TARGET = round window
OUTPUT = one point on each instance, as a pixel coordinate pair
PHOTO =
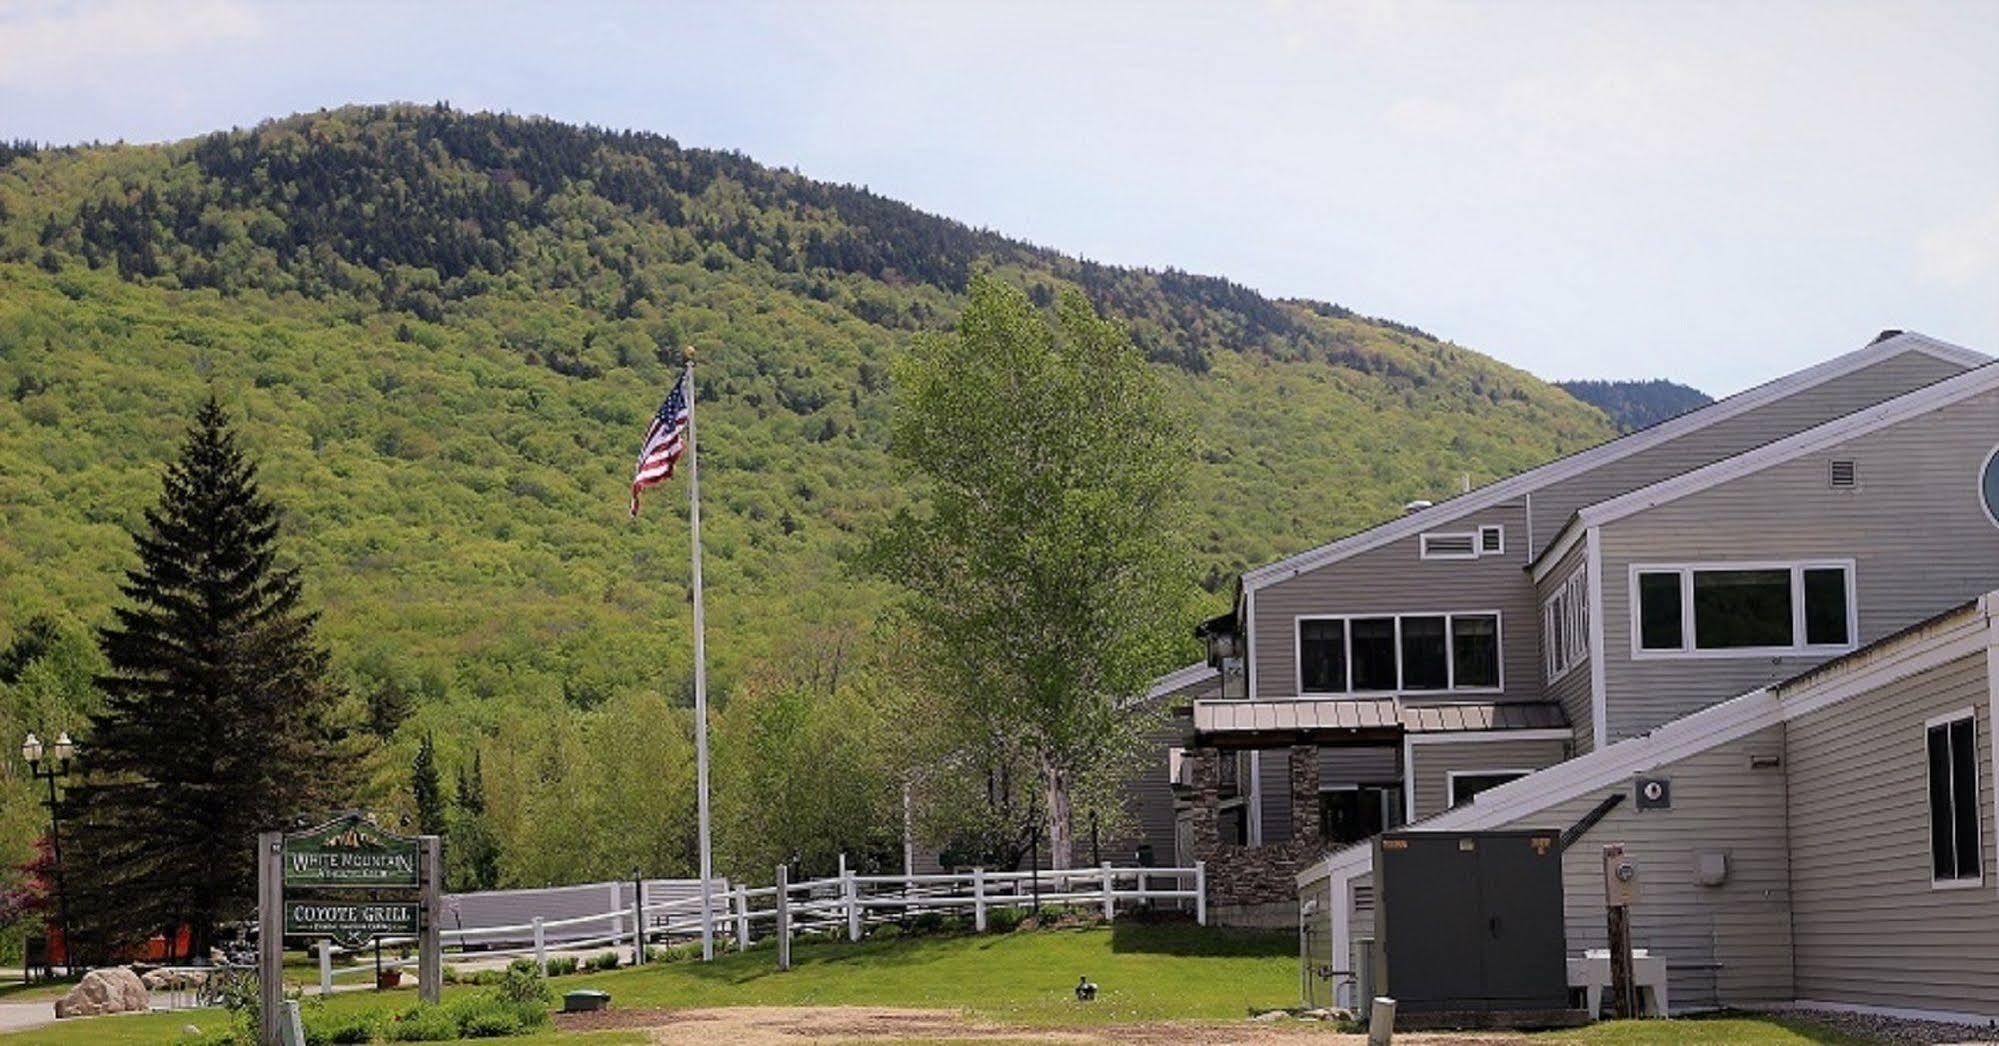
(1988, 486)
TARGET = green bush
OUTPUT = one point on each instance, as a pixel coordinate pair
(522, 984)
(1004, 920)
(600, 963)
(562, 967)
(927, 922)
(422, 1023)
(885, 932)
(340, 1028)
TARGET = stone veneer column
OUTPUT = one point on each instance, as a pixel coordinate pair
(1207, 802)
(1305, 825)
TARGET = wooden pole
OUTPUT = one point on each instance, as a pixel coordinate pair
(1620, 963)
(700, 681)
(270, 938)
(430, 942)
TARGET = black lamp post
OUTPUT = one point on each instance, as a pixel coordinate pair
(62, 752)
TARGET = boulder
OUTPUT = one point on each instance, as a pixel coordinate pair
(163, 980)
(113, 990)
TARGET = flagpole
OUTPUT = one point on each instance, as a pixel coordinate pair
(700, 678)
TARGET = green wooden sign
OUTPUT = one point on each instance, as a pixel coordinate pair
(350, 851)
(351, 923)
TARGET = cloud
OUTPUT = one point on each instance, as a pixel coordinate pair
(1963, 252)
(68, 45)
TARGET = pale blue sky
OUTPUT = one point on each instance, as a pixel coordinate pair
(1717, 194)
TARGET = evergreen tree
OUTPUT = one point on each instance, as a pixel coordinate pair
(427, 789)
(472, 861)
(218, 719)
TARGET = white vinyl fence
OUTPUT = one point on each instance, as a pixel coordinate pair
(504, 924)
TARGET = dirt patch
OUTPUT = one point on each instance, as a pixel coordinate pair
(804, 1025)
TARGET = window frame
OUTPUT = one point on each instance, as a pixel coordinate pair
(1570, 599)
(1978, 485)
(1498, 531)
(1688, 650)
(1394, 807)
(1451, 782)
(1947, 720)
(1450, 660)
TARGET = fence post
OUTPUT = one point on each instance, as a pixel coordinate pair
(326, 967)
(979, 899)
(638, 924)
(742, 918)
(853, 891)
(540, 946)
(1110, 902)
(1201, 892)
(783, 918)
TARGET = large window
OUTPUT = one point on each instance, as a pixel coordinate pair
(1731, 609)
(1956, 851)
(1348, 815)
(1399, 653)
(1565, 626)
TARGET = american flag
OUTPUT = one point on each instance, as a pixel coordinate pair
(665, 442)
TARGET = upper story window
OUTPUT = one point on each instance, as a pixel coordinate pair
(1392, 653)
(1565, 626)
(1956, 849)
(1742, 609)
(1988, 486)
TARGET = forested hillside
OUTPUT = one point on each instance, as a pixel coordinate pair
(1633, 405)
(442, 334)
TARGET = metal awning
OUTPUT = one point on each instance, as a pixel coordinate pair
(1246, 724)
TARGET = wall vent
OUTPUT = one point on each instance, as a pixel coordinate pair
(1843, 475)
(1492, 540)
(1450, 546)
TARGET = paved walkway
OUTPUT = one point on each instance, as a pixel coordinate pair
(20, 1016)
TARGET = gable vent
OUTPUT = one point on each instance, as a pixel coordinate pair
(1843, 475)
(1450, 546)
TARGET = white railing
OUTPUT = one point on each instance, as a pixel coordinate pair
(839, 905)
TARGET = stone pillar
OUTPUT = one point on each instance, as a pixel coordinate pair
(1207, 802)
(1305, 825)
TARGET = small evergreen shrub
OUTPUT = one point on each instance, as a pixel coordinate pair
(562, 966)
(1004, 920)
(522, 984)
(602, 962)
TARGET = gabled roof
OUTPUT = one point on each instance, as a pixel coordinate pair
(1929, 398)
(1504, 490)
(1180, 679)
(1955, 633)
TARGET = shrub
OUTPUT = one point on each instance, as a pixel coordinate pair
(602, 962)
(927, 922)
(450, 974)
(521, 983)
(341, 1028)
(1004, 920)
(562, 967)
(422, 1023)
(885, 932)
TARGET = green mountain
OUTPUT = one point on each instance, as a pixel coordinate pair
(1634, 405)
(444, 332)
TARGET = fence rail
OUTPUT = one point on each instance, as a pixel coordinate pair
(845, 904)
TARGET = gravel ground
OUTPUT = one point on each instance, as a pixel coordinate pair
(1894, 1030)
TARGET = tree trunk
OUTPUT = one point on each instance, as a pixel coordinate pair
(1059, 849)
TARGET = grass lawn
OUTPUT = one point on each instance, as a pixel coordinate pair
(1728, 1029)
(1156, 972)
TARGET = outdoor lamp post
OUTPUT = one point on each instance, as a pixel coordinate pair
(62, 752)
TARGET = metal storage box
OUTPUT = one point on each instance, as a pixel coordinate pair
(1470, 923)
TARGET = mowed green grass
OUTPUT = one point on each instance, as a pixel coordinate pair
(1732, 1029)
(1143, 972)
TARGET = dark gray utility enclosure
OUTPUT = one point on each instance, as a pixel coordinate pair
(1470, 922)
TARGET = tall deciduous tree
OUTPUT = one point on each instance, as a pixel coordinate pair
(219, 720)
(1048, 575)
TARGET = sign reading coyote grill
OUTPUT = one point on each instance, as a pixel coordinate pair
(354, 884)
(351, 925)
(350, 851)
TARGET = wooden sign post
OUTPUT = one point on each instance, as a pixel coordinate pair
(345, 867)
(1620, 891)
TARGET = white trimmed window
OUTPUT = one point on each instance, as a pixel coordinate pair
(1565, 626)
(1467, 783)
(1392, 653)
(1742, 609)
(1956, 849)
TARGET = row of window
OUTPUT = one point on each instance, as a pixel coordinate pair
(1565, 626)
(1398, 652)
